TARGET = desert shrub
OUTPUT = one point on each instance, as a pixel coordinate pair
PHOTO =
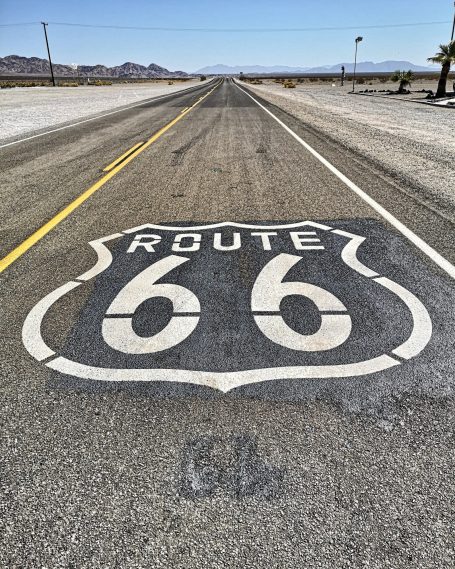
(100, 83)
(313, 79)
(170, 82)
(289, 84)
(203, 77)
(68, 84)
(360, 81)
(404, 78)
(12, 84)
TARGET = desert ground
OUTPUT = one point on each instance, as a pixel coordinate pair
(25, 108)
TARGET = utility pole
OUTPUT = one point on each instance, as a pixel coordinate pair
(48, 52)
(357, 41)
(342, 75)
(453, 26)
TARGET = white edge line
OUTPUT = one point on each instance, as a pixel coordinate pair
(143, 102)
(443, 263)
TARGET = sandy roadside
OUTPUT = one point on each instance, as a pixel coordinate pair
(412, 141)
(24, 110)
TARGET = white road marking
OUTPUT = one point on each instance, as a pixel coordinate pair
(31, 330)
(349, 253)
(143, 102)
(225, 381)
(270, 289)
(443, 263)
(119, 332)
(225, 224)
(422, 326)
(104, 257)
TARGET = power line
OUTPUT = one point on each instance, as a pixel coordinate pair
(19, 24)
(248, 30)
(236, 30)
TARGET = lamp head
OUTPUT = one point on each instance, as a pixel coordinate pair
(358, 39)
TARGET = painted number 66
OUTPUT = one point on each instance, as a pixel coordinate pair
(268, 292)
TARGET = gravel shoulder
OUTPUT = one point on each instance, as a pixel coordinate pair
(26, 110)
(412, 142)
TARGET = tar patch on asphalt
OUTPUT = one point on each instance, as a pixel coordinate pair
(233, 466)
(285, 311)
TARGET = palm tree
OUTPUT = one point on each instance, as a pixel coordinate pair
(404, 77)
(445, 57)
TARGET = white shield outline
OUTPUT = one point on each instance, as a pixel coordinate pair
(225, 381)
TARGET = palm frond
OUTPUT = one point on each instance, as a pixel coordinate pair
(446, 54)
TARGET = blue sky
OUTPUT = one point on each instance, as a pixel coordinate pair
(191, 50)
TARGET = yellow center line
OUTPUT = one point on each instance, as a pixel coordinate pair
(120, 158)
(47, 227)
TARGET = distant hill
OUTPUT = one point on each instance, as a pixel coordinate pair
(221, 69)
(13, 64)
(370, 66)
(362, 66)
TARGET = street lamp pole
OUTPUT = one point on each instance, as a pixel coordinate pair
(453, 26)
(357, 41)
(49, 53)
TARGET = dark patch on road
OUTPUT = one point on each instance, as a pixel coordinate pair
(233, 465)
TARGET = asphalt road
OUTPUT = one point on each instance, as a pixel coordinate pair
(211, 397)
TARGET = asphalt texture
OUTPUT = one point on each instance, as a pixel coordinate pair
(294, 472)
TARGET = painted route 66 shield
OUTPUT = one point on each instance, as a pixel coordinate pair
(230, 304)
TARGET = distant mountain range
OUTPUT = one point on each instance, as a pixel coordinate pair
(15, 64)
(221, 69)
(362, 66)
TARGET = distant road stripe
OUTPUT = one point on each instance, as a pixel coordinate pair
(441, 261)
(143, 102)
(47, 227)
(122, 157)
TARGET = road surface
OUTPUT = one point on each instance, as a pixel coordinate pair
(252, 363)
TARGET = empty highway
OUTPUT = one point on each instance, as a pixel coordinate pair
(227, 342)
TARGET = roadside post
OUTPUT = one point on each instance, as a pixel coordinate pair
(48, 52)
(342, 75)
(357, 41)
(453, 25)
(75, 67)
